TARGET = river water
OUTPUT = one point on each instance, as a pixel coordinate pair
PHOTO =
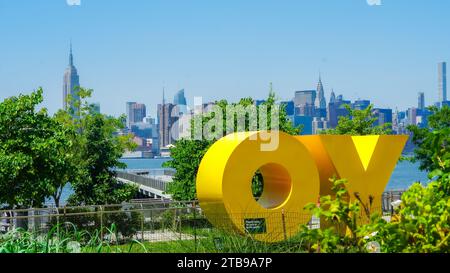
(404, 175)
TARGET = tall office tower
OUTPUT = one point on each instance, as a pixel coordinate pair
(332, 97)
(288, 107)
(421, 101)
(71, 82)
(337, 109)
(136, 112)
(361, 104)
(412, 116)
(304, 102)
(180, 101)
(320, 102)
(165, 121)
(166, 118)
(129, 112)
(442, 78)
(383, 116)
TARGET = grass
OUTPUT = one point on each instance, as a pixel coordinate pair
(68, 239)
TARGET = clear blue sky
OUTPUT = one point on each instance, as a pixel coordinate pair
(127, 50)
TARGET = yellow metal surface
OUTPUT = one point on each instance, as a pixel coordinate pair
(294, 175)
(367, 162)
(291, 180)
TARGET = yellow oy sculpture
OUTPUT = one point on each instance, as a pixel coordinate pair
(294, 174)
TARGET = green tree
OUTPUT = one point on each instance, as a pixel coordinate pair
(342, 222)
(188, 153)
(99, 149)
(360, 123)
(35, 158)
(433, 143)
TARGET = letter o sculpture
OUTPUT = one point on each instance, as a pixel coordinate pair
(224, 186)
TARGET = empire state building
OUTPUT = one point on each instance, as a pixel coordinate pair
(71, 82)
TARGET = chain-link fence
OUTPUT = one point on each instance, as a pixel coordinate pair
(166, 226)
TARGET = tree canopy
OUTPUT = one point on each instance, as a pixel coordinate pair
(360, 123)
(35, 152)
(188, 153)
(41, 154)
(433, 142)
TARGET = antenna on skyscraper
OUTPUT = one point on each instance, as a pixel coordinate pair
(164, 97)
(71, 56)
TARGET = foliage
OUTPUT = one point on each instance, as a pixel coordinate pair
(36, 161)
(99, 149)
(124, 222)
(433, 143)
(186, 157)
(341, 222)
(188, 153)
(422, 224)
(360, 123)
(57, 240)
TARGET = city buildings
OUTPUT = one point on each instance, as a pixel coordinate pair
(319, 124)
(337, 109)
(320, 102)
(305, 109)
(136, 112)
(70, 85)
(384, 116)
(180, 101)
(421, 101)
(361, 104)
(304, 102)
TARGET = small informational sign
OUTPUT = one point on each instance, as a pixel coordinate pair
(255, 226)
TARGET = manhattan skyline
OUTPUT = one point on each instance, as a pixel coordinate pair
(226, 49)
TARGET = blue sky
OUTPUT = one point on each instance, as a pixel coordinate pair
(129, 50)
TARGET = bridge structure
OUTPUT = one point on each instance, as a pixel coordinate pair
(151, 184)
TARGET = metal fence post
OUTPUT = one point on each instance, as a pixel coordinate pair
(195, 227)
(178, 222)
(142, 223)
(101, 223)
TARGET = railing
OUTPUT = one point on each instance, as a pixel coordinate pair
(390, 196)
(145, 181)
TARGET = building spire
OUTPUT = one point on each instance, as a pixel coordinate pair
(164, 97)
(71, 55)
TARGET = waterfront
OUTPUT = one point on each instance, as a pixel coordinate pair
(404, 175)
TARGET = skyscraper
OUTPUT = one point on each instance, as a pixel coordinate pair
(166, 119)
(337, 109)
(304, 102)
(361, 104)
(442, 81)
(136, 112)
(412, 116)
(332, 97)
(421, 101)
(179, 100)
(71, 82)
(384, 116)
(320, 102)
